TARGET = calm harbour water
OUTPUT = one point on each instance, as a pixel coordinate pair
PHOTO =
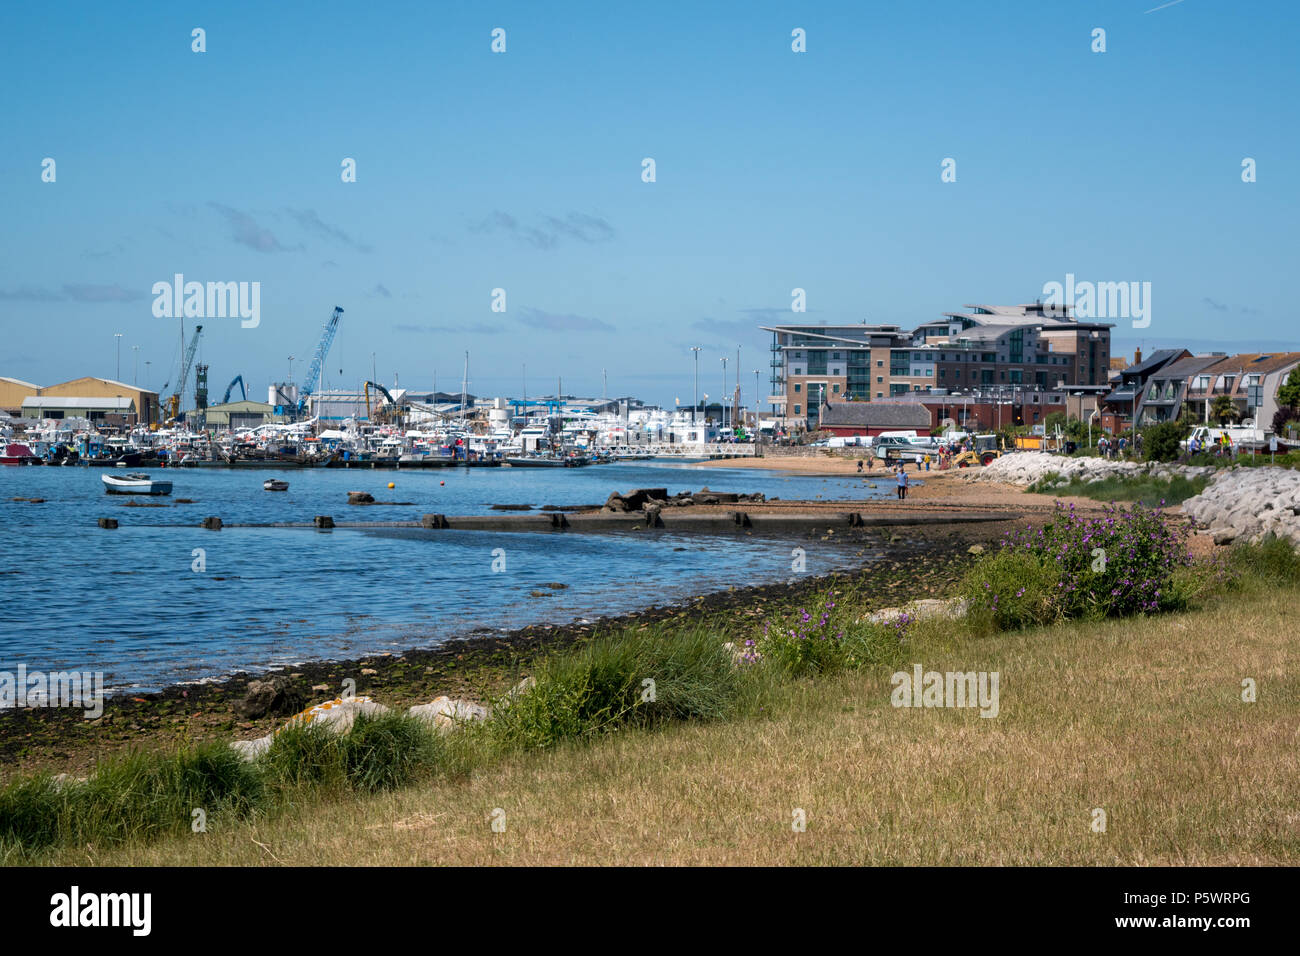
(128, 602)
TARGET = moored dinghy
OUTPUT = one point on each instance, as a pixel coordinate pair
(275, 484)
(135, 484)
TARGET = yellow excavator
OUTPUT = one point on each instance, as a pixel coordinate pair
(985, 451)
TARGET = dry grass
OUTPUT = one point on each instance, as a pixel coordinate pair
(1143, 718)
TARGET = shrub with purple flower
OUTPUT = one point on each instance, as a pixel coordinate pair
(828, 636)
(1109, 565)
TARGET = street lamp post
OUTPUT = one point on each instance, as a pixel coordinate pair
(757, 431)
(735, 408)
(722, 398)
(118, 376)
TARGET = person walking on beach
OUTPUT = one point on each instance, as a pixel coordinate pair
(859, 466)
(902, 483)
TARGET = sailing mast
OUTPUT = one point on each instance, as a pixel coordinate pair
(464, 384)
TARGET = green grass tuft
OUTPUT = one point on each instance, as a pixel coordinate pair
(1145, 489)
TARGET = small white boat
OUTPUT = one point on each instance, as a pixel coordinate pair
(135, 484)
(275, 484)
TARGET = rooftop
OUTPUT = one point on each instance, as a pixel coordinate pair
(875, 415)
(68, 401)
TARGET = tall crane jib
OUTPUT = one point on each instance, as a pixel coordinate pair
(318, 360)
(174, 403)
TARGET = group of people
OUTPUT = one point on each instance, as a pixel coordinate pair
(1221, 445)
(1119, 447)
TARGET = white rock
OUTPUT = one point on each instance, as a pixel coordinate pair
(445, 714)
(252, 749)
(927, 609)
(337, 715)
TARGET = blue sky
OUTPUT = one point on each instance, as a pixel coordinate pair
(522, 171)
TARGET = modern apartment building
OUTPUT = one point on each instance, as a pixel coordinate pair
(1026, 347)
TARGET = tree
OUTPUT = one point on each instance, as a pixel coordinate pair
(1160, 442)
(1288, 395)
(1224, 410)
(1076, 429)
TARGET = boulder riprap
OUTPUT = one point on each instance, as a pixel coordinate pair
(1248, 504)
(1028, 467)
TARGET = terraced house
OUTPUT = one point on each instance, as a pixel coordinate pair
(1026, 347)
(1234, 375)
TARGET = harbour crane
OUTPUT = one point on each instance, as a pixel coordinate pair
(243, 395)
(318, 359)
(174, 402)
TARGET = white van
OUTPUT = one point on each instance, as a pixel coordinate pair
(909, 436)
(1209, 435)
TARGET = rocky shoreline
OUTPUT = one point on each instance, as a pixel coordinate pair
(915, 563)
(1026, 468)
(1249, 503)
(1245, 502)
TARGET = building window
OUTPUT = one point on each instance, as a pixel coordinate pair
(798, 409)
(835, 388)
(798, 387)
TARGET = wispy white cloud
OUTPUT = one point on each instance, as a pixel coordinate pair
(555, 322)
(246, 231)
(308, 220)
(548, 231)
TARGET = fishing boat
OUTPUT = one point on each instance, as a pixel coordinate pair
(275, 484)
(135, 483)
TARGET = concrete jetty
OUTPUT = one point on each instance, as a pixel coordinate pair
(713, 522)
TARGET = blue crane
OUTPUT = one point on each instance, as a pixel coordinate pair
(243, 395)
(322, 349)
